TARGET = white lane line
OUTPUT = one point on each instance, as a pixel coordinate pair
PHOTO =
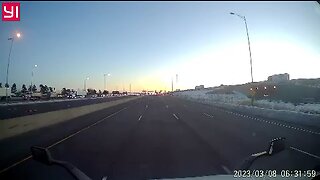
(15, 164)
(73, 134)
(206, 114)
(278, 124)
(146, 106)
(304, 152)
(175, 116)
(140, 118)
(167, 106)
(226, 169)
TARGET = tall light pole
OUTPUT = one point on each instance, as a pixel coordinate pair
(35, 66)
(10, 39)
(171, 84)
(85, 83)
(105, 83)
(176, 81)
(245, 22)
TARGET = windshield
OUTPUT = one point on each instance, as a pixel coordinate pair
(160, 90)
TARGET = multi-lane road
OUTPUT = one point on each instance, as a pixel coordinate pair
(159, 137)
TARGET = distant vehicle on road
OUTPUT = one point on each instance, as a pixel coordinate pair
(60, 95)
(53, 95)
(115, 93)
(36, 96)
(72, 96)
(26, 96)
(3, 93)
(81, 94)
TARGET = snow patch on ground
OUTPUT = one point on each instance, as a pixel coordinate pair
(240, 99)
(305, 114)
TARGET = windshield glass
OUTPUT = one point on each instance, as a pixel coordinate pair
(160, 90)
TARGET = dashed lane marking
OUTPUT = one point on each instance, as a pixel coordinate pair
(175, 116)
(226, 169)
(304, 152)
(275, 123)
(208, 115)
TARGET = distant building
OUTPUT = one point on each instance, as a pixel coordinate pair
(200, 87)
(279, 78)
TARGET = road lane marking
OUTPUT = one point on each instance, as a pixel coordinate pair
(146, 106)
(167, 106)
(175, 116)
(208, 115)
(140, 118)
(226, 169)
(73, 134)
(62, 140)
(304, 152)
(15, 164)
(276, 123)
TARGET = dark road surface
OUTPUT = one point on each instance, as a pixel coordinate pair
(17, 110)
(158, 137)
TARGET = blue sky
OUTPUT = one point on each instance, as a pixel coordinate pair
(147, 43)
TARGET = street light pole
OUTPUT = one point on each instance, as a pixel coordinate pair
(32, 77)
(245, 22)
(85, 83)
(105, 83)
(7, 77)
(171, 84)
(12, 39)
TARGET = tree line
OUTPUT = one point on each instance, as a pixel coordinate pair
(44, 89)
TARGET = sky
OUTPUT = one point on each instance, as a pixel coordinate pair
(146, 44)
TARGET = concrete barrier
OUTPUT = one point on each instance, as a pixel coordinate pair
(14, 126)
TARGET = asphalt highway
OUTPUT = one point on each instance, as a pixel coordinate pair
(159, 137)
